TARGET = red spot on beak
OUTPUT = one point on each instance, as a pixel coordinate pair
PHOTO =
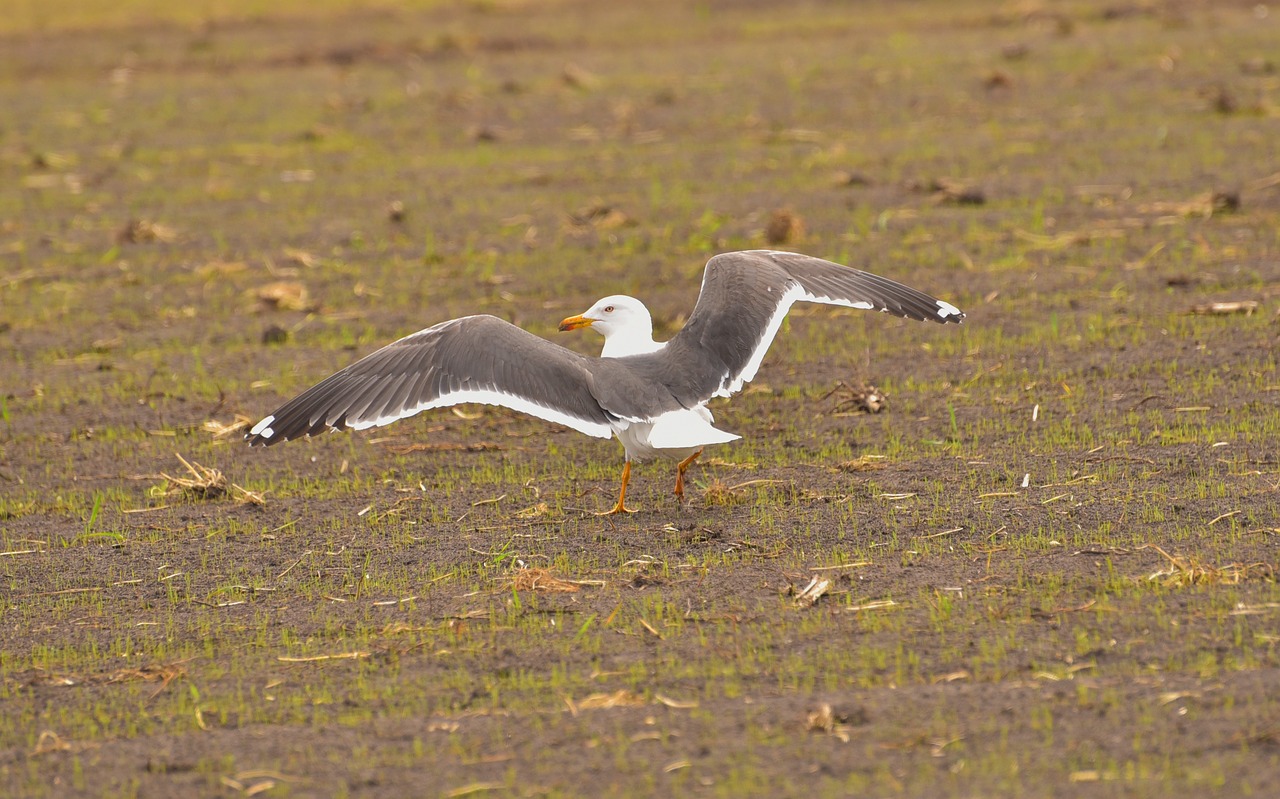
(575, 322)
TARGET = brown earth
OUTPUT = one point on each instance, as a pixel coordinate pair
(1055, 575)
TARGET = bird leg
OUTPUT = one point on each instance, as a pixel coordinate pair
(680, 470)
(622, 494)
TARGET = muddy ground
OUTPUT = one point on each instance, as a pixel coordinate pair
(1047, 566)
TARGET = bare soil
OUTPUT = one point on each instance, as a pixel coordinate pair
(1051, 557)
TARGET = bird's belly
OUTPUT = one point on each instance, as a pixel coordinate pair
(635, 440)
(673, 436)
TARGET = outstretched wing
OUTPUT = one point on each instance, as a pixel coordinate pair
(479, 359)
(746, 295)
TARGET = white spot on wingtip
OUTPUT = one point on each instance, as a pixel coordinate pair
(946, 309)
(263, 428)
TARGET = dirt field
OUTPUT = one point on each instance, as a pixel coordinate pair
(1047, 567)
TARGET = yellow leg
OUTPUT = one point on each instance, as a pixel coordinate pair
(680, 470)
(621, 507)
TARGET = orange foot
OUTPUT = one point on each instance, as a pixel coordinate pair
(621, 507)
(616, 509)
(680, 470)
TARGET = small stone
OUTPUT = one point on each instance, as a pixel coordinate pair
(275, 334)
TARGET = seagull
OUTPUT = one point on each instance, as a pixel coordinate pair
(651, 395)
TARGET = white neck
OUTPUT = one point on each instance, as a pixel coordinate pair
(631, 341)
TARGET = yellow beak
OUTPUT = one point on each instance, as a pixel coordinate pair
(575, 322)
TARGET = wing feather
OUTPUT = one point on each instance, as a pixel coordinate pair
(745, 297)
(479, 359)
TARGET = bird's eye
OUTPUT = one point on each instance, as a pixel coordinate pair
(608, 309)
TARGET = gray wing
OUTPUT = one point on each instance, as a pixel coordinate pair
(478, 359)
(746, 295)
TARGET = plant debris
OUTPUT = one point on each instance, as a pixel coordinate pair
(808, 596)
(619, 698)
(600, 216)
(959, 193)
(1246, 307)
(224, 429)
(864, 463)
(576, 77)
(862, 398)
(285, 295)
(203, 482)
(827, 720)
(784, 227)
(1188, 570)
(142, 231)
(538, 579)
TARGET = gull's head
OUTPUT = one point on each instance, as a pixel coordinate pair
(614, 315)
(623, 321)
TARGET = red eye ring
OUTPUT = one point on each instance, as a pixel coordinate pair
(608, 309)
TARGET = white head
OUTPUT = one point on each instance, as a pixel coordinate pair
(624, 322)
